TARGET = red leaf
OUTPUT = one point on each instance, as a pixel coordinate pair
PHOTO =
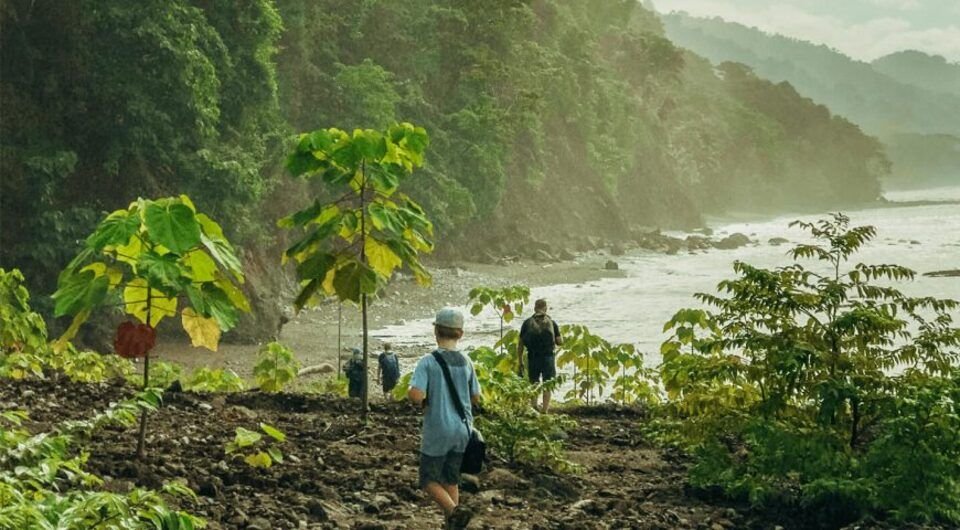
(134, 340)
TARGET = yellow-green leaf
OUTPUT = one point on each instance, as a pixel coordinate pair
(260, 459)
(234, 294)
(71, 332)
(380, 258)
(135, 302)
(204, 332)
(201, 265)
(129, 253)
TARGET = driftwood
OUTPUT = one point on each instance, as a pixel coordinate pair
(322, 368)
(954, 273)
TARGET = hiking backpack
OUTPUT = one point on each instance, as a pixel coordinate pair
(540, 334)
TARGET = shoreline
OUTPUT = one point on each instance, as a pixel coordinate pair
(312, 334)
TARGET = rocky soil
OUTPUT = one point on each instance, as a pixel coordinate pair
(338, 473)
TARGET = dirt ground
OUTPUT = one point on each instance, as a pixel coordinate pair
(339, 474)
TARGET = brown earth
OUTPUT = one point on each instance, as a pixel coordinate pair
(338, 473)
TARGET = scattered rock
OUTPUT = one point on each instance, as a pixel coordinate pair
(732, 241)
(617, 250)
(543, 256)
(777, 241)
(611, 265)
(503, 478)
(469, 483)
(584, 505)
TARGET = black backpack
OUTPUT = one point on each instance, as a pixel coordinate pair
(539, 337)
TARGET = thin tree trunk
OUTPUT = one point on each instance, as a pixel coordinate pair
(141, 437)
(339, 335)
(365, 395)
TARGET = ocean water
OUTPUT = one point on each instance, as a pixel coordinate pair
(634, 308)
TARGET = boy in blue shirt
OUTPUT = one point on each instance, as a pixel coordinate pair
(445, 435)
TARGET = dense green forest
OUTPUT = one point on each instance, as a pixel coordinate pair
(907, 99)
(549, 121)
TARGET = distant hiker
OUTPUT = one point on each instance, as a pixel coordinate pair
(356, 375)
(388, 369)
(539, 334)
(445, 434)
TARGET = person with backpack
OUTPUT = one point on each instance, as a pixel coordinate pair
(388, 370)
(445, 385)
(539, 335)
(356, 376)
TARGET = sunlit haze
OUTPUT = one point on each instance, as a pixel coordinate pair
(862, 29)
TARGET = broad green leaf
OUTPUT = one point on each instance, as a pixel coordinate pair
(162, 271)
(275, 454)
(316, 267)
(203, 332)
(189, 203)
(273, 432)
(212, 301)
(172, 225)
(135, 302)
(352, 279)
(222, 252)
(234, 294)
(246, 437)
(380, 258)
(384, 218)
(210, 227)
(83, 290)
(306, 293)
(116, 229)
(369, 145)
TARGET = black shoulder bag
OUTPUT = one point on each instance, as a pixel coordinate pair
(476, 449)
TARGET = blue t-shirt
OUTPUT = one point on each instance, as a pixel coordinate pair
(443, 430)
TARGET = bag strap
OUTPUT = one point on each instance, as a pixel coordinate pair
(453, 389)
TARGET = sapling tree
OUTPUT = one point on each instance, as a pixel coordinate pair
(828, 380)
(154, 259)
(351, 246)
(506, 302)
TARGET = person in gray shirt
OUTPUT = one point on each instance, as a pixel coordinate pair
(445, 434)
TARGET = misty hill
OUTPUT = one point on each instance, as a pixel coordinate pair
(929, 72)
(907, 99)
(881, 104)
(551, 123)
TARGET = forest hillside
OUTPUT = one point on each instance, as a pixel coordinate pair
(549, 121)
(909, 99)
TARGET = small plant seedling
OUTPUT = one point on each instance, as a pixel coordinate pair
(276, 367)
(255, 450)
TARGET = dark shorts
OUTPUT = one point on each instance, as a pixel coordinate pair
(444, 470)
(389, 384)
(541, 368)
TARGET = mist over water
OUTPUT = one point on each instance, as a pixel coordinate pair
(634, 308)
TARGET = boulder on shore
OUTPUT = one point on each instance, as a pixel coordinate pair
(612, 265)
(732, 241)
(777, 241)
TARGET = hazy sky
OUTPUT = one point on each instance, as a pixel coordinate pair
(862, 29)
